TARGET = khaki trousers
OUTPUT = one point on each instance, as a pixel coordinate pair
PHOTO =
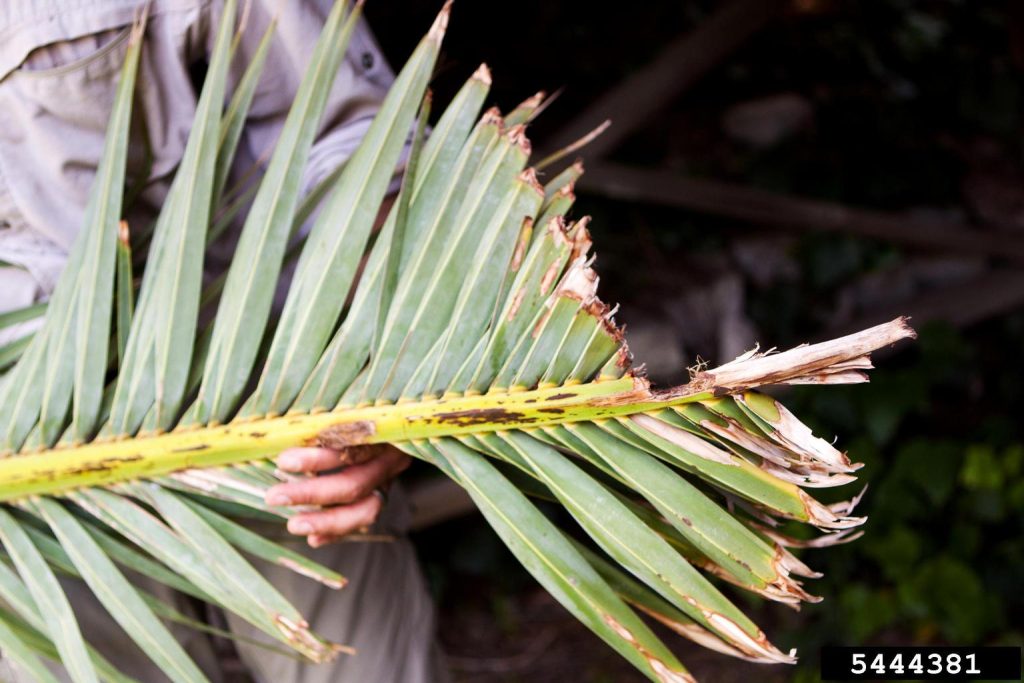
(385, 612)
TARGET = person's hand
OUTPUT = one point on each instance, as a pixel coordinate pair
(352, 497)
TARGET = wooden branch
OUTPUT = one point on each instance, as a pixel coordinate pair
(963, 304)
(791, 213)
(635, 100)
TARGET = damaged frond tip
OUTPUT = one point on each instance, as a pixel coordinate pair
(529, 176)
(482, 74)
(139, 25)
(440, 25)
(517, 136)
(904, 323)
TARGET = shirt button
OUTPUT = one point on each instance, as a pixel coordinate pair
(367, 60)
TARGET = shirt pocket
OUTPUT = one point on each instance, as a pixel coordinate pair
(73, 54)
(74, 79)
(54, 111)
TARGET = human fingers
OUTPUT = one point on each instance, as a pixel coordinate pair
(333, 523)
(348, 486)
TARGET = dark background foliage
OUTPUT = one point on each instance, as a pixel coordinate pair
(910, 107)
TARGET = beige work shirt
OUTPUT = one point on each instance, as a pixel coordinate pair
(59, 65)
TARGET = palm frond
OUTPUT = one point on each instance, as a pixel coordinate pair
(473, 339)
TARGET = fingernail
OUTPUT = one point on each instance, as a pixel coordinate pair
(300, 527)
(289, 462)
(278, 499)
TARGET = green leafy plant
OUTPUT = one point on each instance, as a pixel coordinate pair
(137, 434)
